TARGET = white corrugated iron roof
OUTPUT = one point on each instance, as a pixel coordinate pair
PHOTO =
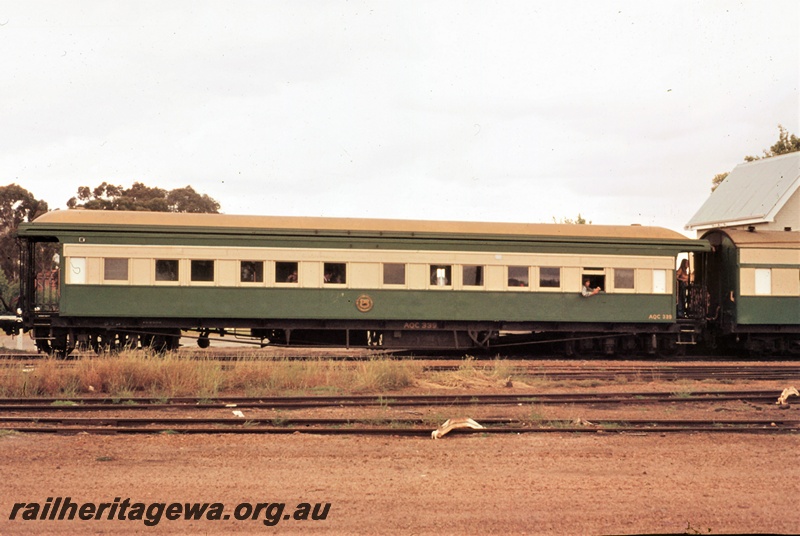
(753, 193)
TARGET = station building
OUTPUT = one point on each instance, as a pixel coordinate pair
(763, 195)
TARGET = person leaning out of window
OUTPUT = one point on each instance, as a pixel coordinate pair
(587, 289)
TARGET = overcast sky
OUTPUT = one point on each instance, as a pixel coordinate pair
(517, 111)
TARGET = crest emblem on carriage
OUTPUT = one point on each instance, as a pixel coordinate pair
(364, 303)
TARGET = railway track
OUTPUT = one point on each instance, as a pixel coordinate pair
(376, 415)
(302, 402)
(396, 427)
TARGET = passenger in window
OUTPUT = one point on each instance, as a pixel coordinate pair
(683, 286)
(587, 290)
(333, 277)
(292, 278)
(248, 275)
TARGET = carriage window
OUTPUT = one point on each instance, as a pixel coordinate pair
(549, 277)
(286, 272)
(659, 281)
(763, 281)
(335, 273)
(115, 269)
(166, 270)
(473, 276)
(518, 276)
(595, 280)
(252, 272)
(394, 274)
(441, 275)
(623, 278)
(77, 270)
(202, 270)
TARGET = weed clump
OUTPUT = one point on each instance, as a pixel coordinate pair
(492, 374)
(138, 373)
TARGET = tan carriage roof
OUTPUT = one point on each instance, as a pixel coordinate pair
(78, 217)
(761, 239)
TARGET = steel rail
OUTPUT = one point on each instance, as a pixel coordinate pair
(325, 421)
(354, 427)
(108, 403)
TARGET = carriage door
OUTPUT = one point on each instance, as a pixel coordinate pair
(698, 299)
(42, 280)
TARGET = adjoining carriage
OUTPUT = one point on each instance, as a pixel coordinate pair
(138, 278)
(753, 286)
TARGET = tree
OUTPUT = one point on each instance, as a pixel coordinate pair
(8, 291)
(17, 205)
(141, 197)
(579, 221)
(187, 200)
(717, 180)
(787, 143)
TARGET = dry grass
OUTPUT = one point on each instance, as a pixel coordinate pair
(471, 374)
(145, 374)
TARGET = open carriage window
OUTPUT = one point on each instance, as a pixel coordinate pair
(285, 272)
(335, 273)
(472, 276)
(441, 275)
(251, 272)
(202, 270)
(595, 276)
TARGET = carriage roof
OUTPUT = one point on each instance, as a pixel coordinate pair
(164, 221)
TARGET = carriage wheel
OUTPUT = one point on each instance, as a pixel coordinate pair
(202, 340)
(668, 346)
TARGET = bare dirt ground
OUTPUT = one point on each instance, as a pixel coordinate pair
(467, 484)
(545, 483)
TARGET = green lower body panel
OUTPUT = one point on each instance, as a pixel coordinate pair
(353, 304)
(768, 310)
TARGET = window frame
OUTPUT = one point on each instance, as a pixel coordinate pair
(161, 281)
(663, 286)
(280, 270)
(509, 278)
(199, 268)
(258, 272)
(762, 282)
(433, 270)
(480, 273)
(127, 262)
(338, 270)
(384, 273)
(628, 272)
(549, 288)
